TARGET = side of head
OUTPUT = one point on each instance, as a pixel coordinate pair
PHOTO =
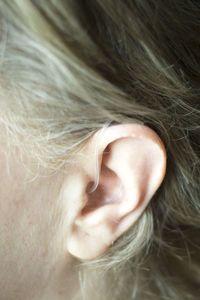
(102, 97)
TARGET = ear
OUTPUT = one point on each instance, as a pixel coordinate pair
(131, 166)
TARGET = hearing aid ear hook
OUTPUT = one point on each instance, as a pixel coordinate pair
(94, 187)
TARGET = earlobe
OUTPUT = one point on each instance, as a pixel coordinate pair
(131, 170)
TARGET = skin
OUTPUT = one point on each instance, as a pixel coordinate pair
(33, 254)
(43, 229)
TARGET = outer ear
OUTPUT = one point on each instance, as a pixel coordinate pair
(132, 165)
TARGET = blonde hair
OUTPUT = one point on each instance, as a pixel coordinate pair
(69, 68)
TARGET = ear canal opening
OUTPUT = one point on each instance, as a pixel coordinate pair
(90, 187)
(109, 191)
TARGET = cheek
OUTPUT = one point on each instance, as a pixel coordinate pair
(25, 256)
(28, 242)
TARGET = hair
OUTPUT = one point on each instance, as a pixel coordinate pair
(71, 67)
